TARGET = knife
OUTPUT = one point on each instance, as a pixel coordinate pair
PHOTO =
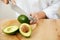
(20, 11)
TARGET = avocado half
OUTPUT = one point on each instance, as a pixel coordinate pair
(10, 29)
(25, 29)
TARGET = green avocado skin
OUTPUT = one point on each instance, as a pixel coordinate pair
(26, 36)
(13, 33)
(23, 19)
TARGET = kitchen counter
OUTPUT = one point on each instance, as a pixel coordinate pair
(46, 29)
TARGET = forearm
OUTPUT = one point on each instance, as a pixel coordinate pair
(52, 10)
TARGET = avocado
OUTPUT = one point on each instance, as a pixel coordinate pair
(23, 19)
(25, 29)
(11, 29)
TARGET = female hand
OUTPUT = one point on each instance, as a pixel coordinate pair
(7, 1)
(37, 16)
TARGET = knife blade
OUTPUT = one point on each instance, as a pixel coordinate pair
(21, 11)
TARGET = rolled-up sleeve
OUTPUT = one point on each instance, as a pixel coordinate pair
(52, 10)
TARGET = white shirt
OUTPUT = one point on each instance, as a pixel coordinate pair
(50, 7)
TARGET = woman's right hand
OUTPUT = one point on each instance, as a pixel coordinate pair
(37, 16)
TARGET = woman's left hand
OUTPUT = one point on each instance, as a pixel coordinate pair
(7, 1)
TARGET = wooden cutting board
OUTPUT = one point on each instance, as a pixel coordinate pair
(46, 29)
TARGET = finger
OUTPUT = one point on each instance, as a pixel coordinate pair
(36, 17)
(6, 1)
(13, 2)
(33, 22)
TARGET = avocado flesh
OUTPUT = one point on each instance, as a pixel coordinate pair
(26, 34)
(11, 29)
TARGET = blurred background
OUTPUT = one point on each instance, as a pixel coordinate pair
(6, 11)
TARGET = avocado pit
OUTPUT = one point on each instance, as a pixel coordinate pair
(25, 29)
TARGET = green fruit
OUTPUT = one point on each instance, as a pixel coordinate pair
(25, 30)
(11, 29)
(23, 19)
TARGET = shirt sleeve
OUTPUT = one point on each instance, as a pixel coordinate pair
(52, 10)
